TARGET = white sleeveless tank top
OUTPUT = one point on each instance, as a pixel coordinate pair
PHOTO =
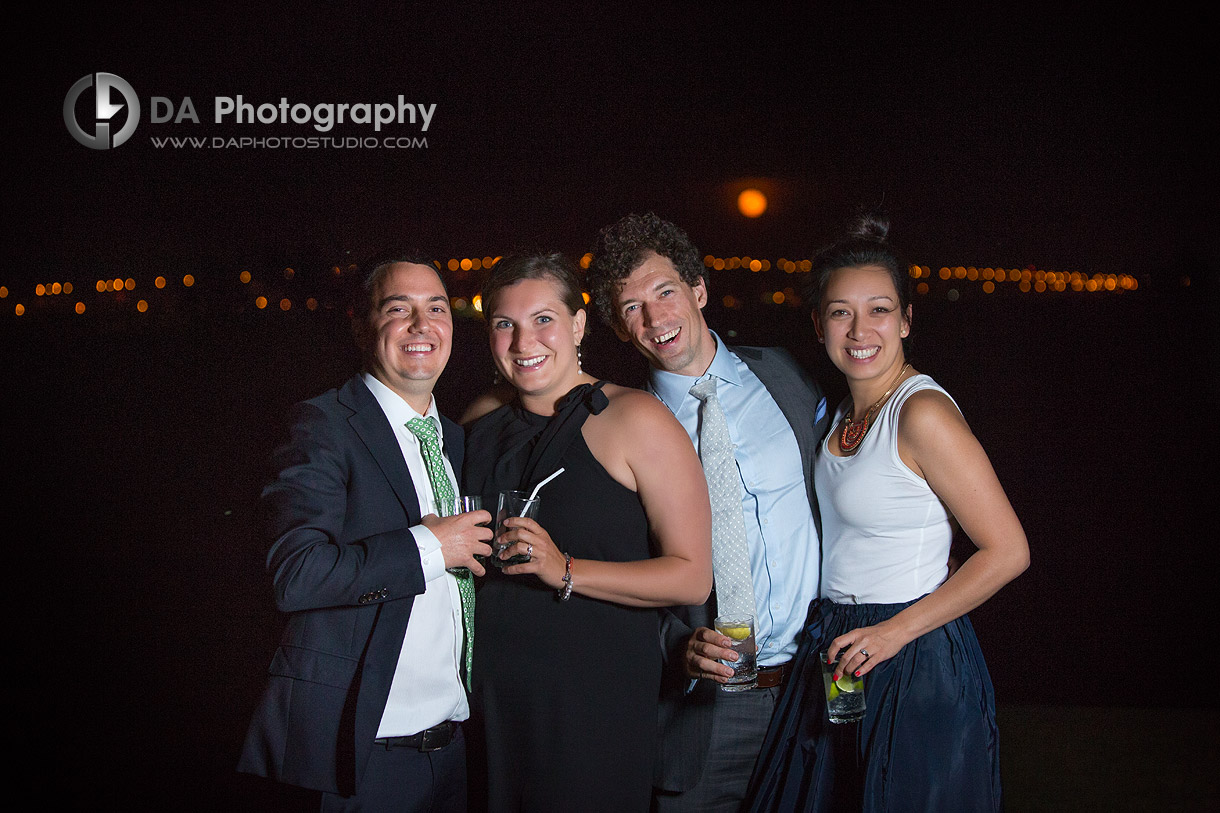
(885, 534)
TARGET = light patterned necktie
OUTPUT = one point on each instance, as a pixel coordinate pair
(730, 555)
(442, 492)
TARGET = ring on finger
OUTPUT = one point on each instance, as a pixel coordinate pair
(529, 551)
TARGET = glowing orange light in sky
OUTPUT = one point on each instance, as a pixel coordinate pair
(751, 202)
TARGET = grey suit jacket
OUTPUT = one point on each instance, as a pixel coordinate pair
(685, 718)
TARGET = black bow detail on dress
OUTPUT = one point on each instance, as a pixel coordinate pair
(570, 415)
(515, 449)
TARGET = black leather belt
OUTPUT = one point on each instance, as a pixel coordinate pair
(771, 676)
(430, 739)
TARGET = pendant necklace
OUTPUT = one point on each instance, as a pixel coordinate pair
(854, 431)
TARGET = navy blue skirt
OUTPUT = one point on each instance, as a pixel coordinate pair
(928, 740)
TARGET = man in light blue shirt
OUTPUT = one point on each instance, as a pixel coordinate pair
(647, 284)
(780, 532)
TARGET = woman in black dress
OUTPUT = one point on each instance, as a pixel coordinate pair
(567, 662)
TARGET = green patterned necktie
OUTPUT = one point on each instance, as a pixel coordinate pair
(442, 491)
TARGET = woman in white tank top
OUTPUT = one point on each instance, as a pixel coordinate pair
(898, 471)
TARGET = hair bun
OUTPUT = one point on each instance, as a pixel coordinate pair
(871, 226)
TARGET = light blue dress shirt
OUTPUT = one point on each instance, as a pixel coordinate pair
(780, 531)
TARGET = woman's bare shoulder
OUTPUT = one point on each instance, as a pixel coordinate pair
(628, 404)
(488, 402)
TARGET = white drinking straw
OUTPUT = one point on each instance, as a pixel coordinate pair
(538, 487)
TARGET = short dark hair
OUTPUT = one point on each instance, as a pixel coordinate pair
(363, 298)
(553, 266)
(361, 304)
(620, 249)
(864, 243)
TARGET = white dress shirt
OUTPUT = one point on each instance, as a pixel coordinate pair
(427, 687)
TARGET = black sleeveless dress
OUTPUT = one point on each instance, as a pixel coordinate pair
(565, 691)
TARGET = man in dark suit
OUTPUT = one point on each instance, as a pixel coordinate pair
(366, 694)
(647, 283)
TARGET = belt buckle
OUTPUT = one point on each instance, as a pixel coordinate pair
(435, 738)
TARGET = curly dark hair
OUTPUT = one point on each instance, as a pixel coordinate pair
(620, 250)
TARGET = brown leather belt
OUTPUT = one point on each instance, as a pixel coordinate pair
(430, 739)
(771, 676)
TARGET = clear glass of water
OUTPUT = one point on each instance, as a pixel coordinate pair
(511, 504)
(740, 630)
(459, 505)
(845, 696)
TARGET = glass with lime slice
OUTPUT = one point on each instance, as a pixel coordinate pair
(740, 631)
(845, 696)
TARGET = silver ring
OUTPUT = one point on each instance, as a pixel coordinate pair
(529, 551)
(864, 652)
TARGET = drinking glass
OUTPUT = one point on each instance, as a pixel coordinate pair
(740, 629)
(459, 505)
(845, 696)
(511, 504)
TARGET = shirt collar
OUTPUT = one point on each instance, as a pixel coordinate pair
(396, 409)
(672, 388)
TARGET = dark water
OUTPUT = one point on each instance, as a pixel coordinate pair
(133, 455)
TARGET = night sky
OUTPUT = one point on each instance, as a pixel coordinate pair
(1066, 140)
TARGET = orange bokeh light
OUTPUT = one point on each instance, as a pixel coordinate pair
(751, 202)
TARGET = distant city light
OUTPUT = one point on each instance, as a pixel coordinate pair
(738, 289)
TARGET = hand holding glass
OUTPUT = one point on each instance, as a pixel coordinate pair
(740, 630)
(459, 505)
(845, 696)
(511, 504)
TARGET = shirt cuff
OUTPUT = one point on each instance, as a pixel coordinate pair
(430, 557)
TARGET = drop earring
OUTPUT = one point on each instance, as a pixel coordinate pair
(579, 367)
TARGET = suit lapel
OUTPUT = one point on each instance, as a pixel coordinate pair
(371, 425)
(455, 446)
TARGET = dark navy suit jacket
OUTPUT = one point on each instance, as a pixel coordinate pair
(346, 569)
(686, 717)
